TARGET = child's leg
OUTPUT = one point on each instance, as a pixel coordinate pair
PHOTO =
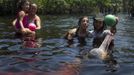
(29, 39)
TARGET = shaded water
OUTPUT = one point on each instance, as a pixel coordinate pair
(55, 58)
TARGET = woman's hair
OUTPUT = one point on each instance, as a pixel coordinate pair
(80, 20)
(21, 3)
(33, 5)
(98, 19)
(79, 23)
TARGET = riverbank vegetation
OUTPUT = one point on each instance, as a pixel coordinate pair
(71, 6)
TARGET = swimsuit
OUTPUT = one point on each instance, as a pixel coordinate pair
(24, 21)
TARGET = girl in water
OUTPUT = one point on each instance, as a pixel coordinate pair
(99, 36)
(99, 32)
(81, 32)
(32, 18)
(20, 23)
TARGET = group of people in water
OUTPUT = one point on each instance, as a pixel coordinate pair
(98, 34)
(27, 14)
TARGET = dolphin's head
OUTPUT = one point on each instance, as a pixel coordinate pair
(102, 54)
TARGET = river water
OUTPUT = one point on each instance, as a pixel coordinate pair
(54, 57)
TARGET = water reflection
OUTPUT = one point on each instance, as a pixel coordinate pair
(111, 63)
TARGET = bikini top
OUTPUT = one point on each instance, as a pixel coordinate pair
(24, 21)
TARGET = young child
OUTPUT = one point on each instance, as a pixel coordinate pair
(80, 32)
(29, 37)
(20, 23)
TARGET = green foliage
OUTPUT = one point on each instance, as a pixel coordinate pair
(56, 6)
(66, 6)
(8, 6)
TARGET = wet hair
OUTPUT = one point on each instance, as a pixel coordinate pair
(98, 19)
(80, 20)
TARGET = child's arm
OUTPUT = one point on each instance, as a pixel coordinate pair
(21, 14)
(107, 32)
(20, 18)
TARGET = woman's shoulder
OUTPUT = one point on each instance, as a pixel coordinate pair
(72, 30)
(37, 17)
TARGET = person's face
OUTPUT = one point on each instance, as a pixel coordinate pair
(98, 24)
(33, 10)
(84, 23)
(25, 6)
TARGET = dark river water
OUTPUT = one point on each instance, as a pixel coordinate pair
(54, 57)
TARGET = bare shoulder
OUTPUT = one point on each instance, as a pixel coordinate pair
(71, 31)
(37, 17)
